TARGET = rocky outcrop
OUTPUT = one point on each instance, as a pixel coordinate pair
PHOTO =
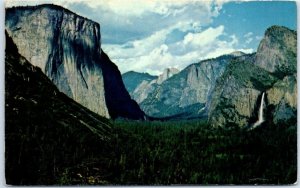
(282, 100)
(277, 51)
(237, 95)
(67, 48)
(185, 94)
(167, 73)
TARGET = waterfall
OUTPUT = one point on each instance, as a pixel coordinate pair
(260, 112)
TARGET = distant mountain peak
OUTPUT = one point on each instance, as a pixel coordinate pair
(237, 53)
(167, 73)
(132, 79)
(138, 73)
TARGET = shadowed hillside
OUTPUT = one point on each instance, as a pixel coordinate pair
(45, 131)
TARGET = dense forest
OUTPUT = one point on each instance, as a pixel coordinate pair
(192, 152)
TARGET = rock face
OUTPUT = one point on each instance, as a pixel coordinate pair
(277, 51)
(67, 48)
(133, 79)
(185, 94)
(237, 95)
(147, 86)
(167, 73)
(44, 127)
(282, 99)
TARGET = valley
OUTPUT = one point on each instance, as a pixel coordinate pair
(72, 118)
(192, 152)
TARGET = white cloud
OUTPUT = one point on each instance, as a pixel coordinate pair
(125, 20)
(247, 35)
(258, 37)
(234, 40)
(203, 38)
(153, 55)
(127, 7)
(10, 3)
(138, 7)
(249, 40)
(121, 7)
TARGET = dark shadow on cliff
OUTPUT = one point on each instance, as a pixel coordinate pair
(118, 100)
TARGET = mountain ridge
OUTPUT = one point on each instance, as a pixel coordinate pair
(186, 93)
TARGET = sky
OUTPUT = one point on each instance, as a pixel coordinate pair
(151, 35)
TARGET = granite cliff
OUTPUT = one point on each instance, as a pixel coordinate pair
(67, 48)
(238, 92)
(277, 51)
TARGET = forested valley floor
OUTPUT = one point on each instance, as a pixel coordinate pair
(192, 152)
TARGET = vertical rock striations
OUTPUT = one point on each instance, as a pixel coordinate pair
(68, 50)
(65, 46)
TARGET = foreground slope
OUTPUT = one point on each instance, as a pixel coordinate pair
(67, 48)
(45, 131)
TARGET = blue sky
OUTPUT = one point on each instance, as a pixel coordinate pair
(151, 35)
(255, 17)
